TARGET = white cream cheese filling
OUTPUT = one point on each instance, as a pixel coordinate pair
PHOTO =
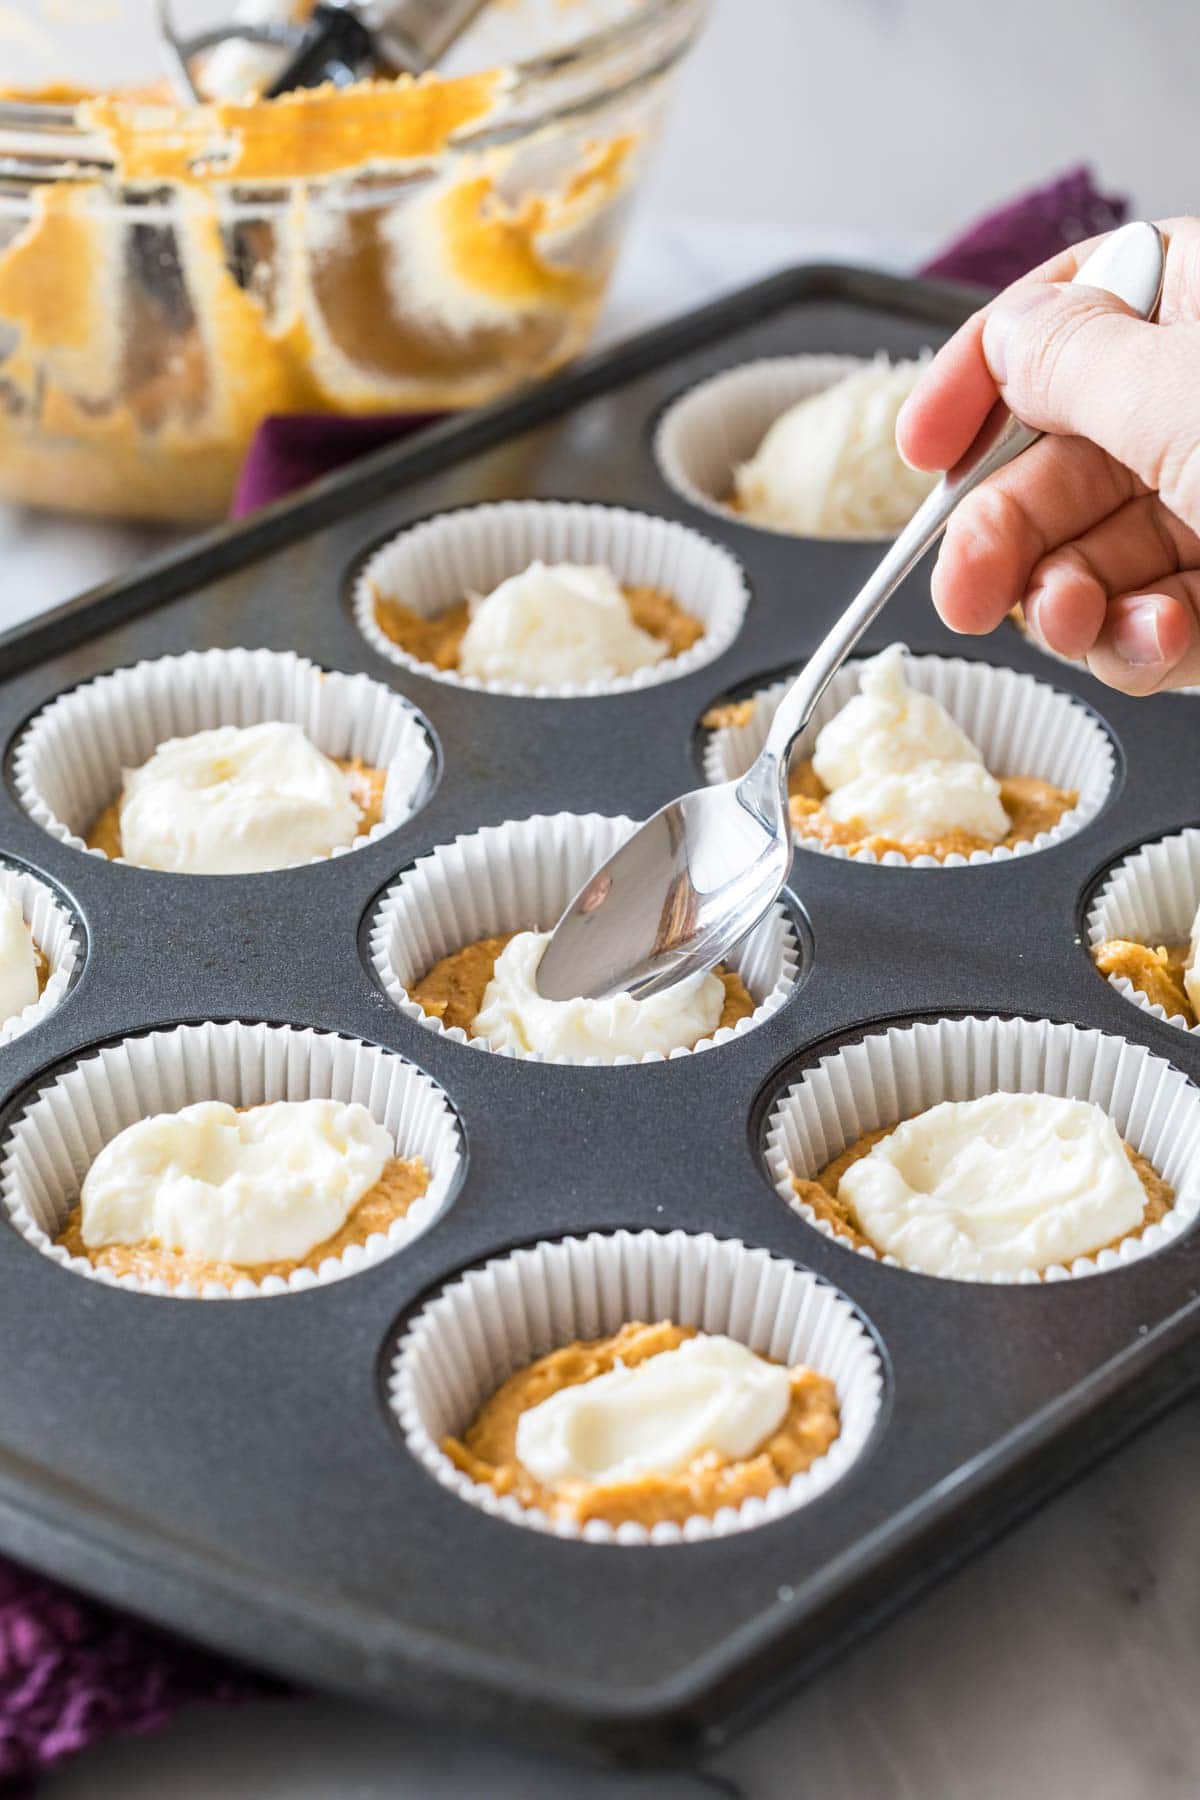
(265, 1185)
(895, 759)
(709, 1394)
(829, 466)
(514, 1016)
(1191, 973)
(18, 961)
(236, 800)
(991, 1187)
(556, 624)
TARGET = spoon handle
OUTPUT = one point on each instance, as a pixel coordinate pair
(1129, 263)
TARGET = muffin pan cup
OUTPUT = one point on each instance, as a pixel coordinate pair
(61, 1133)
(470, 551)
(900, 1073)
(54, 933)
(521, 876)
(1020, 727)
(68, 763)
(236, 1472)
(493, 1321)
(1150, 897)
(708, 431)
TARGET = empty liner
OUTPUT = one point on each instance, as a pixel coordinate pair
(70, 759)
(898, 1073)
(433, 565)
(520, 877)
(494, 1320)
(58, 1136)
(1019, 724)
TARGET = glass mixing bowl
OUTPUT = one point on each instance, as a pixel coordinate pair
(170, 276)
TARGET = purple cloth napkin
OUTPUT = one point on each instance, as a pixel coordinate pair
(290, 449)
(72, 1672)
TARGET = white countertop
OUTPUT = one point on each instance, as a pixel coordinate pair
(1064, 1662)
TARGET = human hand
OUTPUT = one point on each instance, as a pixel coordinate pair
(1095, 530)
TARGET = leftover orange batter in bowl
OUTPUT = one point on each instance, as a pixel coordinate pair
(171, 275)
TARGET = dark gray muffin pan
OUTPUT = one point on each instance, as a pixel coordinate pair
(231, 1469)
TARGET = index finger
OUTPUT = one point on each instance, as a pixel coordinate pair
(945, 410)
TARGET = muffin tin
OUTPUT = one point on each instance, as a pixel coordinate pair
(235, 1471)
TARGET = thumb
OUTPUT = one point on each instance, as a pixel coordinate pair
(1075, 361)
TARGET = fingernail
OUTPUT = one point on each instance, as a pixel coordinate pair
(1004, 318)
(1134, 634)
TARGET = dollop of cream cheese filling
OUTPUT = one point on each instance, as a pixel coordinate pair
(709, 1394)
(234, 801)
(829, 464)
(18, 964)
(514, 1016)
(894, 760)
(265, 1185)
(1191, 973)
(555, 624)
(991, 1187)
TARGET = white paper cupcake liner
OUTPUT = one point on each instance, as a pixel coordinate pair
(433, 565)
(56, 1139)
(895, 1074)
(1151, 898)
(69, 760)
(1020, 725)
(497, 1319)
(53, 930)
(520, 877)
(704, 435)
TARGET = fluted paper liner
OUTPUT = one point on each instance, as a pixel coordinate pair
(520, 877)
(1020, 725)
(704, 435)
(58, 1136)
(497, 1319)
(69, 760)
(52, 929)
(1150, 897)
(433, 565)
(898, 1073)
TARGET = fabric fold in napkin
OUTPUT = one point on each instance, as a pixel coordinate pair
(71, 1672)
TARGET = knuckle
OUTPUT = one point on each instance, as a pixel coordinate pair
(1047, 349)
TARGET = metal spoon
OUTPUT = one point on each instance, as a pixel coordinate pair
(341, 41)
(698, 876)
